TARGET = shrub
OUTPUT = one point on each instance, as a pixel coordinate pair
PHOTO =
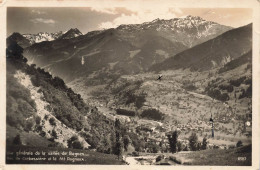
(229, 87)
(52, 121)
(17, 140)
(42, 133)
(237, 82)
(29, 125)
(215, 93)
(135, 153)
(189, 87)
(179, 146)
(239, 143)
(38, 128)
(158, 158)
(193, 140)
(246, 93)
(125, 112)
(73, 142)
(77, 145)
(185, 148)
(204, 143)
(54, 134)
(38, 120)
(46, 117)
(140, 101)
(152, 114)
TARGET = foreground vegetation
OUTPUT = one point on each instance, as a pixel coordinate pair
(55, 112)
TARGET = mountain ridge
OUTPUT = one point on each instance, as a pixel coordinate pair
(220, 50)
(127, 49)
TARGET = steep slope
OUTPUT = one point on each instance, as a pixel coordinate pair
(190, 30)
(41, 105)
(128, 49)
(106, 51)
(21, 40)
(213, 53)
(244, 59)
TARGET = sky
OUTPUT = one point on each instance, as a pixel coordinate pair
(54, 19)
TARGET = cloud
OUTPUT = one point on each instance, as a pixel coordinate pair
(42, 20)
(104, 10)
(34, 11)
(139, 16)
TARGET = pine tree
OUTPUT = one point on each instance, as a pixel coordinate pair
(204, 143)
(173, 139)
(126, 141)
(119, 146)
(193, 139)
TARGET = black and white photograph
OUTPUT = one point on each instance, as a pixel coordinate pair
(129, 85)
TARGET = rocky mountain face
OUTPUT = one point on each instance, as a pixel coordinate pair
(128, 49)
(19, 39)
(213, 53)
(23, 39)
(72, 33)
(43, 36)
(190, 31)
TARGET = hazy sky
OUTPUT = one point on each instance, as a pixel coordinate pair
(53, 19)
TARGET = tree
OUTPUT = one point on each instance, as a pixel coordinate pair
(17, 140)
(198, 146)
(52, 121)
(193, 140)
(126, 141)
(119, 146)
(14, 51)
(54, 134)
(105, 145)
(38, 120)
(204, 143)
(29, 125)
(73, 142)
(239, 143)
(179, 146)
(173, 139)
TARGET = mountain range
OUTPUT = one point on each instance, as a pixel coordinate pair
(127, 49)
(213, 53)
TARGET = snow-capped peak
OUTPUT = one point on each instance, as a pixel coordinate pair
(73, 32)
(43, 36)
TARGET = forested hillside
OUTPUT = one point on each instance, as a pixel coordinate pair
(42, 108)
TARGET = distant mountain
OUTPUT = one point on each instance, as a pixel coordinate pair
(106, 50)
(19, 39)
(128, 49)
(190, 30)
(213, 53)
(42, 36)
(72, 33)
